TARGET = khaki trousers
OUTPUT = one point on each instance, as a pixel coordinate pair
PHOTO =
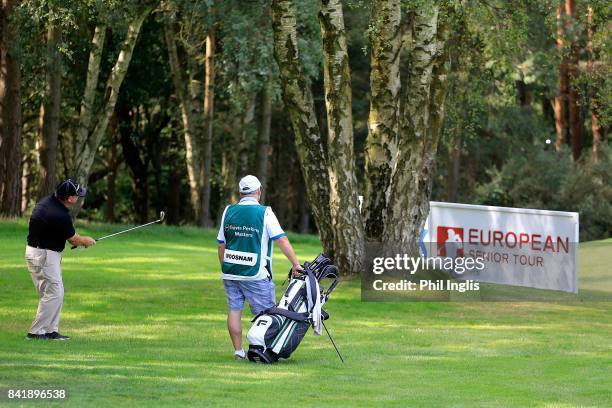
(45, 267)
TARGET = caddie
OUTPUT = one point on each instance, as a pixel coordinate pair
(245, 244)
(50, 227)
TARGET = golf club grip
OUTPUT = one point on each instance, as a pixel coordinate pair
(79, 246)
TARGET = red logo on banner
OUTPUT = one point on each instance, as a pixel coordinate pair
(450, 242)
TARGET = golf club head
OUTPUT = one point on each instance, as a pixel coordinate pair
(162, 215)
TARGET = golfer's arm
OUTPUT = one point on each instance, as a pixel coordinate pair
(285, 246)
(76, 240)
(221, 251)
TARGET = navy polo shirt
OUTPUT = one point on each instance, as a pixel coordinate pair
(50, 225)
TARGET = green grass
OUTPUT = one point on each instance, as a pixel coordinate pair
(147, 315)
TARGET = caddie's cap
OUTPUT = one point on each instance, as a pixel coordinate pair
(248, 184)
(69, 188)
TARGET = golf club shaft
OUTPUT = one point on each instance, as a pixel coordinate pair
(124, 231)
(127, 230)
(332, 341)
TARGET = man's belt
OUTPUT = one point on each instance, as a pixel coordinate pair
(40, 247)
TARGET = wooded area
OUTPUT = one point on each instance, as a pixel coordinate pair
(164, 105)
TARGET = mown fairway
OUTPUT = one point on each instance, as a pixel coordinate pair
(147, 315)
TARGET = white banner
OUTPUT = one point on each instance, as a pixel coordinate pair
(522, 247)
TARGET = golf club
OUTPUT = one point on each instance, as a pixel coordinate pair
(162, 215)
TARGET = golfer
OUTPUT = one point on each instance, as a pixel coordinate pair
(245, 239)
(50, 227)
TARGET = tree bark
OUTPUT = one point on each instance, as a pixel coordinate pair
(229, 160)
(383, 126)
(525, 95)
(420, 121)
(25, 181)
(51, 113)
(113, 163)
(209, 99)
(560, 104)
(192, 145)
(10, 117)
(174, 181)
(299, 103)
(595, 126)
(575, 116)
(244, 166)
(263, 137)
(137, 166)
(347, 223)
(89, 141)
(86, 113)
(196, 100)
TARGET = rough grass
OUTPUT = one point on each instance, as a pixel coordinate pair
(147, 315)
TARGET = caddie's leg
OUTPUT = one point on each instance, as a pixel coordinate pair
(234, 325)
(235, 303)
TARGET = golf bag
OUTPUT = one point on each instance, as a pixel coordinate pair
(278, 331)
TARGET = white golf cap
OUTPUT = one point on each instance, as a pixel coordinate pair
(249, 184)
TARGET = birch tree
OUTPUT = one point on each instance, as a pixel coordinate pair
(186, 25)
(299, 103)
(401, 146)
(345, 217)
(93, 124)
(383, 119)
(192, 145)
(424, 91)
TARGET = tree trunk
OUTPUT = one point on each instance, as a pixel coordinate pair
(111, 180)
(209, 98)
(561, 98)
(138, 167)
(383, 127)
(51, 113)
(299, 103)
(347, 223)
(244, 144)
(525, 95)
(229, 161)
(263, 137)
(196, 116)
(174, 183)
(192, 146)
(25, 181)
(234, 162)
(420, 121)
(595, 126)
(10, 117)
(575, 117)
(88, 142)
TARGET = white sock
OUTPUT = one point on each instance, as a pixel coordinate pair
(240, 353)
